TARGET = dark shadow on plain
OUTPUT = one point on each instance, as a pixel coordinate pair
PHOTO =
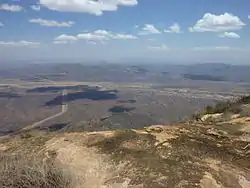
(3, 132)
(54, 127)
(91, 94)
(204, 77)
(127, 101)
(60, 88)
(120, 109)
(9, 95)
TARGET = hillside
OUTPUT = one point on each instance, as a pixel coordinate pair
(210, 152)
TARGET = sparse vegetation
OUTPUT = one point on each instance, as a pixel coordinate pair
(223, 107)
(244, 100)
(23, 172)
(203, 77)
(180, 154)
(25, 135)
(245, 111)
(234, 107)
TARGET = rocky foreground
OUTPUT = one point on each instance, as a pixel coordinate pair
(214, 153)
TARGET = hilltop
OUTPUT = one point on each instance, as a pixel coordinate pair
(212, 151)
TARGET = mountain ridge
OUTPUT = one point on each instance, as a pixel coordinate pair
(213, 153)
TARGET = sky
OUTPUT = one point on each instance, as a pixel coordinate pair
(184, 31)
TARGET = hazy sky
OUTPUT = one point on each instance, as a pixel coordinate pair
(169, 30)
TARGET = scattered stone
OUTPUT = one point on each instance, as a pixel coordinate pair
(234, 116)
(162, 181)
(244, 183)
(211, 116)
(216, 132)
(3, 147)
(155, 128)
(209, 182)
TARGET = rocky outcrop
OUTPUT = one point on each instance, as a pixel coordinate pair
(211, 116)
(182, 155)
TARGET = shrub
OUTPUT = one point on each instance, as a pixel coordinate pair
(209, 109)
(245, 111)
(234, 108)
(196, 116)
(25, 135)
(228, 106)
(224, 107)
(23, 172)
(244, 100)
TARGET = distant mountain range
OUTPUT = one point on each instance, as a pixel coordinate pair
(122, 72)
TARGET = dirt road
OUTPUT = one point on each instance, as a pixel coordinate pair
(64, 109)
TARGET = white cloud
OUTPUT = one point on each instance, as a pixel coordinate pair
(100, 35)
(149, 29)
(11, 8)
(19, 43)
(1, 24)
(127, 2)
(162, 47)
(212, 48)
(223, 48)
(65, 38)
(124, 37)
(60, 42)
(88, 6)
(95, 36)
(92, 37)
(51, 23)
(229, 34)
(35, 7)
(217, 23)
(248, 16)
(91, 42)
(175, 28)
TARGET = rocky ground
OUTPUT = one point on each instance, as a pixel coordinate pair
(214, 153)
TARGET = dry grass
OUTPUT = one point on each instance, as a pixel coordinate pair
(233, 107)
(23, 172)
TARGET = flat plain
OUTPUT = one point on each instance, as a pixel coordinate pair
(107, 101)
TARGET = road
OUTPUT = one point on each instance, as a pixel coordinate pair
(64, 109)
